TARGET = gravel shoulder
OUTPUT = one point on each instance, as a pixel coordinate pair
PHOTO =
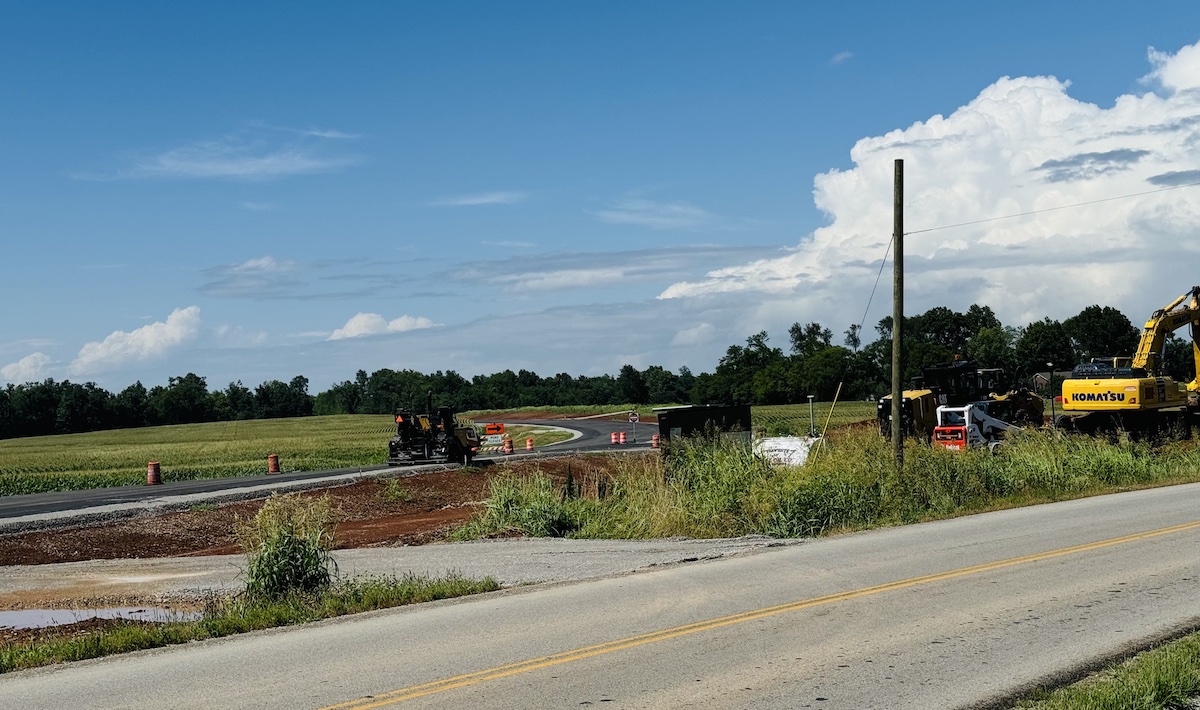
(391, 526)
(183, 581)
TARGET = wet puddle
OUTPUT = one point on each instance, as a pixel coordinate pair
(42, 618)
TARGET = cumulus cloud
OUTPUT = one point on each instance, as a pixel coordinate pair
(656, 215)
(363, 324)
(31, 368)
(1022, 145)
(145, 343)
(487, 198)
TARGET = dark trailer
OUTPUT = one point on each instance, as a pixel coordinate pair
(694, 420)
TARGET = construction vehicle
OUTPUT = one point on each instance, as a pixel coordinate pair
(956, 384)
(1134, 394)
(973, 425)
(434, 437)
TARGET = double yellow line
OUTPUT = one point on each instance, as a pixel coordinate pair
(533, 664)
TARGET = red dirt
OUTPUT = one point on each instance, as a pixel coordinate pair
(371, 513)
(429, 506)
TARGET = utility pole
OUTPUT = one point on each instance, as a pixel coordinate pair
(897, 314)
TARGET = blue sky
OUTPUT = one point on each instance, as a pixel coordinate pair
(258, 190)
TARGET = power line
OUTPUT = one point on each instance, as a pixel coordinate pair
(1052, 209)
(882, 263)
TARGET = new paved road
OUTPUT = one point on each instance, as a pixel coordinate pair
(957, 613)
(16, 511)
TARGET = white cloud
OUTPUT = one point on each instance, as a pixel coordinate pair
(1175, 72)
(224, 159)
(696, 335)
(656, 215)
(238, 337)
(145, 343)
(841, 58)
(1023, 144)
(254, 153)
(31, 368)
(375, 324)
(487, 198)
(328, 133)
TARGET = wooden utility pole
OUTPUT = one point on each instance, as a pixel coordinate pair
(897, 314)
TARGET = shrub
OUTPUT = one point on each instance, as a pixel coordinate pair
(287, 546)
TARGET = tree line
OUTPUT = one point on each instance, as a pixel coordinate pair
(753, 373)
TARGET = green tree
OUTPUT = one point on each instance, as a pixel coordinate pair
(809, 338)
(853, 338)
(992, 347)
(183, 401)
(632, 385)
(1101, 332)
(1044, 341)
(1179, 360)
(979, 317)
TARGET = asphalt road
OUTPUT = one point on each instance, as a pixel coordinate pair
(957, 613)
(594, 436)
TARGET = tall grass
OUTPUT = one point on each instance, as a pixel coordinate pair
(287, 544)
(707, 488)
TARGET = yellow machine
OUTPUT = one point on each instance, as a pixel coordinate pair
(1132, 386)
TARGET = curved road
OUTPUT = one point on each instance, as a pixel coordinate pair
(952, 614)
(595, 436)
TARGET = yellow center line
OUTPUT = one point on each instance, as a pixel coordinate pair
(532, 664)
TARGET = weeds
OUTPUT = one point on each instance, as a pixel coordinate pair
(707, 488)
(287, 546)
(227, 616)
(396, 492)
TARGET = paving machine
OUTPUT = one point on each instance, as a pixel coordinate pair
(433, 437)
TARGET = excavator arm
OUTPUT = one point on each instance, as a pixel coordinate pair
(1162, 323)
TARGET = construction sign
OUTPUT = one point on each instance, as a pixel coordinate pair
(493, 429)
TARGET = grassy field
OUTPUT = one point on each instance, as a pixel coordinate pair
(190, 451)
(215, 450)
(784, 419)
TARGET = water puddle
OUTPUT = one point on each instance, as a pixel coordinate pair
(42, 618)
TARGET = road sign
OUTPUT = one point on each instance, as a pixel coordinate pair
(493, 439)
(633, 417)
(495, 428)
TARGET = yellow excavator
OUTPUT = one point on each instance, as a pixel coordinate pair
(1133, 393)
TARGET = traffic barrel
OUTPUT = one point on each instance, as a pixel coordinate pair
(622, 437)
(529, 443)
(654, 441)
(273, 463)
(508, 446)
(153, 474)
(614, 437)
